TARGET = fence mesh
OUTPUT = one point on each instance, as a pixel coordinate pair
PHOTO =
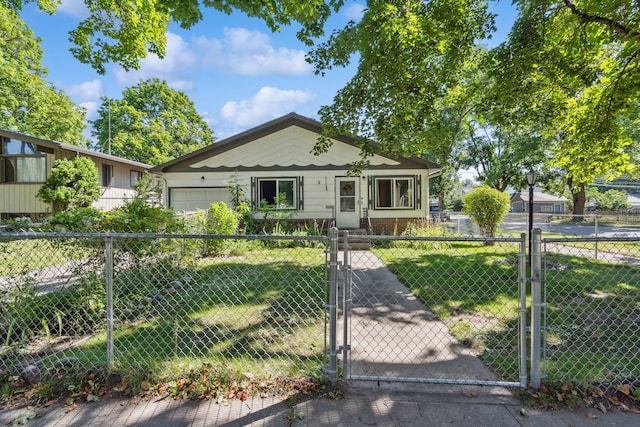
(592, 295)
(253, 307)
(447, 304)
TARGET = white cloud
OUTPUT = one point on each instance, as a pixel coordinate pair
(175, 67)
(354, 12)
(74, 8)
(267, 104)
(92, 109)
(246, 52)
(86, 91)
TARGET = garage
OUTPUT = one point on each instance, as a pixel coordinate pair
(190, 199)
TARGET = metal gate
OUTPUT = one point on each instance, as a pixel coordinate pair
(380, 331)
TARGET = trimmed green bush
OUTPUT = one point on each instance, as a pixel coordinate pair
(487, 207)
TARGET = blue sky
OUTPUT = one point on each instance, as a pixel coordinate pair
(236, 71)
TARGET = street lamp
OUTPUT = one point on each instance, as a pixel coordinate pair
(531, 180)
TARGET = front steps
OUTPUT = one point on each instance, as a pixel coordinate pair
(356, 243)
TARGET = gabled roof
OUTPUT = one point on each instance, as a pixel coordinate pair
(73, 148)
(540, 197)
(238, 140)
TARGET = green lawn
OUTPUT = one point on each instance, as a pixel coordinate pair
(260, 313)
(23, 255)
(592, 315)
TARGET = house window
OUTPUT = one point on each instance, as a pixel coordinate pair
(394, 193)
(134, 177)
(279, 191)
(107, 175)
(546, 209)
(20, 161)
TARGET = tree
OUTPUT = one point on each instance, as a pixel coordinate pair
(29, 104)
(500, 153)
(125, 31)
(151, 124)
(72, 183)
(572, 68)
(416, 78)
(487, 207)
(610, 200)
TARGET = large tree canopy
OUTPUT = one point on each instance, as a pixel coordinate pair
(571, 69)
(151, 124)
(411, 54)
(29, 104)
(124, 31)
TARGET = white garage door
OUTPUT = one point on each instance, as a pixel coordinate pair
(190, 199)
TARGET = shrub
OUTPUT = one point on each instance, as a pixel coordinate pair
(136, 216)
(77, 219)
(72, 183)
(422, 228)
(221, 220)
(487, 207)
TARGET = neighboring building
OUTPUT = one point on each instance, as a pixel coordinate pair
(634, 201)
(542, 202)
(275, 158)
(26, 162)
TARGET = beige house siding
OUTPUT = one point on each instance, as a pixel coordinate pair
(282, 150)
(18, 199)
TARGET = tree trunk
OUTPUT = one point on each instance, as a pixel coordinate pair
(579, 200)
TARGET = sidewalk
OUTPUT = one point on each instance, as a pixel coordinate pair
(364, 404)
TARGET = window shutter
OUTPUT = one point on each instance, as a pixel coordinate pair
(254, 196)
(418, 192)
(370, 192)
(300, 193)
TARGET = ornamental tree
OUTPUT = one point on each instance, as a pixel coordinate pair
(72, 183)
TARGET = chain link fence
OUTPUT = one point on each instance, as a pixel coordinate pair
(258, 306)
(447, 310)
(252, 306)
(591, 294)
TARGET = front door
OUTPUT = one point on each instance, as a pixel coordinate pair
(347, 203)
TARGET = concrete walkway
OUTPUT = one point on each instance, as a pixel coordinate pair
(393, 334)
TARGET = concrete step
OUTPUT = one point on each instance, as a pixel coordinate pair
(355, 243)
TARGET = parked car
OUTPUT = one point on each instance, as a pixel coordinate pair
(436, 214)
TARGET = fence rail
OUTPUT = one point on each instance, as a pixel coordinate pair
(163, 303)
(262, 305)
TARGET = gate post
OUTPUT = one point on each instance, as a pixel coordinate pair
(332, 372)
(536, 307)
(522, 308)
(108, 254)
(346, 298)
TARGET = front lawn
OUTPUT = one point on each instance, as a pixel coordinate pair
(592, 315)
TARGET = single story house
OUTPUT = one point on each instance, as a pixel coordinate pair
(26, 162)
(542, 202)
(276, 159)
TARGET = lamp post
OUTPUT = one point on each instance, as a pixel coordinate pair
(531, 180)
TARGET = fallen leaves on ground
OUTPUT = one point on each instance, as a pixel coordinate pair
(624, 396)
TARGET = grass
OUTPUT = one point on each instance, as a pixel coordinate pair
(260, 313)
(592, 315)
(473, 289)
(23, 255)
(221, 323)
